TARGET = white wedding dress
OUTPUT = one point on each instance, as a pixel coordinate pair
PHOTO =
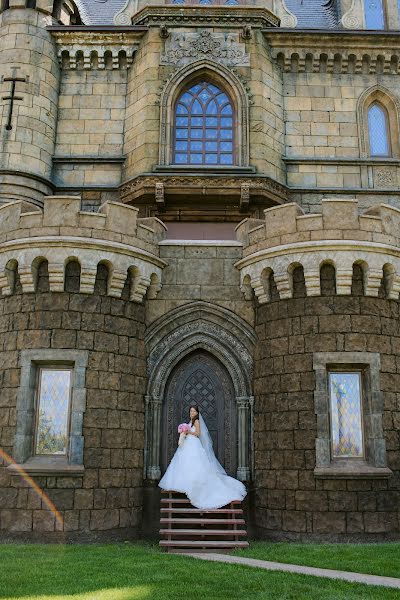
(195, 471)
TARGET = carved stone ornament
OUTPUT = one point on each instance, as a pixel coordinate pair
(385, 177)
(353, 18)
(225, 48)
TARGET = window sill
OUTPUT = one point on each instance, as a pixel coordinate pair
(352, 470)
(47, 466)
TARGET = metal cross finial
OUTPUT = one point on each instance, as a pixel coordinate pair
(12, 97)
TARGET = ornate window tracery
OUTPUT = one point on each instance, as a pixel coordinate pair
(204, 126)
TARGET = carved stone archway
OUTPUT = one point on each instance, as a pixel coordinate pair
(206, 326)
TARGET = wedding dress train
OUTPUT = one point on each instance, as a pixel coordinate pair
(195, 471)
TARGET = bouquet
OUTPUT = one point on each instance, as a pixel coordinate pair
(182, 429)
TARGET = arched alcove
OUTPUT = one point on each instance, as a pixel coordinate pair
(188, 337)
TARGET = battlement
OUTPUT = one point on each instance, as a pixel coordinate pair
(288, 240)
(61, 233)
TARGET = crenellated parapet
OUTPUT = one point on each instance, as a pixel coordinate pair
(289, 240)
(61, 233)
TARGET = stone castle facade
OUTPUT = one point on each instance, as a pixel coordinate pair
(199, 202)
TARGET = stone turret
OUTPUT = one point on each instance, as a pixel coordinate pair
(29, 87)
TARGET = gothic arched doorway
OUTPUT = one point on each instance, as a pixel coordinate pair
(200, 378)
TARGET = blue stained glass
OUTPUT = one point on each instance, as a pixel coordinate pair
(221, 99)
(226, 134)
(346, 420)
(232, 2)
(186, 98)
(211, 134)
(374, 14)
(226, 110)
(204, 95)
(197, 108)
(205, 1)
(203, 126)
(378, 131)
(212, 108)
(178, 1)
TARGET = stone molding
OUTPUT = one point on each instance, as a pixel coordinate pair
(194, 184)
(29, 361)
(227, 79)
(190, 16)
(181, 331)
(288, 239)
(334, 52)
(182, 48)
(372, 408)
(62, 233)
(96, 50)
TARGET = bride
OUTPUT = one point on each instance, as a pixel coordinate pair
(195, 471)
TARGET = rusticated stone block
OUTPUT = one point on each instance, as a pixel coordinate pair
(13, 520)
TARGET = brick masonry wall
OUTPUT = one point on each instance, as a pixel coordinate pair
(289, 501)
(107, 500)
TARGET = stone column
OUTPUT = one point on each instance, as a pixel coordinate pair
(243, 406)
(153, 429)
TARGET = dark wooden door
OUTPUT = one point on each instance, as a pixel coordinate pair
(201, 379)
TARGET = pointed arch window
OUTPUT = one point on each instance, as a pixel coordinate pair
(204, 126)
(374, 14)
(378, 130)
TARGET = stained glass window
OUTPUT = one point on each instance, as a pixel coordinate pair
(346, 419)
(378, 130)
(203, 128)
(374, 14)
(54, 391)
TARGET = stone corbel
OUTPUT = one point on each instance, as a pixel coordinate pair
(354, 17)
(244, 196)
(287, 18)
(160, 194)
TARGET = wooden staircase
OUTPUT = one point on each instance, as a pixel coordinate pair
(185, 528)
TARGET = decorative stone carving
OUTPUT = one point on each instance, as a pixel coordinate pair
(244, 195)
(160, 193)
(288, 19)
(353, 18)
(385, 177)
(183, 48)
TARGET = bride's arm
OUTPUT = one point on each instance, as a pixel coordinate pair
(197, 426)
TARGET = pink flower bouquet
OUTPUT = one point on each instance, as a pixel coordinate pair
(183, 428)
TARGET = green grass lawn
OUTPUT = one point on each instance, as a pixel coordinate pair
(376, 559)
(141, 571)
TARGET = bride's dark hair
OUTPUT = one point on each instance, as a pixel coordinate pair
(198, 412)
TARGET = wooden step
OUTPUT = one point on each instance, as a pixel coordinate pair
(217, 532)
(201, 544)
(202, 521)
(187, 501)
(230, 511)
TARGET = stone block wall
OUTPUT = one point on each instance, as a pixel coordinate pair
(105, 500)
(289, 500)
